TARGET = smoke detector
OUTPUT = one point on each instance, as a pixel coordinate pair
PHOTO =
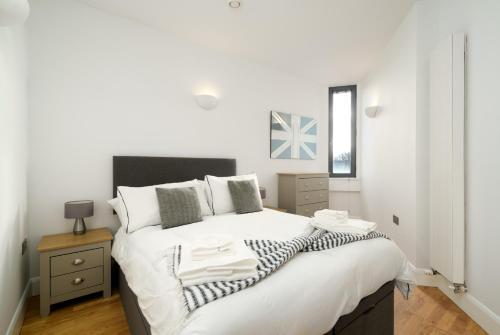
(234, 3)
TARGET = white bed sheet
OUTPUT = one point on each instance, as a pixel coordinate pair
(306, 296)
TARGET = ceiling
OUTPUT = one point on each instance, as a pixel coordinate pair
(327, 41)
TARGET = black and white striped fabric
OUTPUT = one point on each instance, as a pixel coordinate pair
(272, 255)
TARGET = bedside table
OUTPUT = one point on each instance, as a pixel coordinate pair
(74, 265)
(277, 209)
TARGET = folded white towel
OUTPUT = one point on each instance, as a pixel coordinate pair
(210, 276)
(332, 216)
(239, 264)
(212, 246)
(331, 213)
(353, 226)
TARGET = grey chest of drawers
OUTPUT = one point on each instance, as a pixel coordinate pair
(303, 193)
(74, 265)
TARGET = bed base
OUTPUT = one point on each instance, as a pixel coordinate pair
(374, 314)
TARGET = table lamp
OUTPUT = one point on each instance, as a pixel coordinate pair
(78, 210)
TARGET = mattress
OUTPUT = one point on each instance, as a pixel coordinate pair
(306, 296)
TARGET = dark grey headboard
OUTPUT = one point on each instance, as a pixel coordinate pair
(145, 171)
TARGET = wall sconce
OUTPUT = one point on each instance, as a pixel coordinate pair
(372, 111)
(206, 101)
(234, 3)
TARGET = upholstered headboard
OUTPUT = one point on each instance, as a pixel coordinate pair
(145, 171)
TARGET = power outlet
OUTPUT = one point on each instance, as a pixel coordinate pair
(24, 246)
(395, 219)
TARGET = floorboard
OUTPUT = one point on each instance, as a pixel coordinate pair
(427, 312)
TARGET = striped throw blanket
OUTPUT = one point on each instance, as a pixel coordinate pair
(272, 255)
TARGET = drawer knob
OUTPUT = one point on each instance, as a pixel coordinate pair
(77, 281)
(307, 197)
(78, 261)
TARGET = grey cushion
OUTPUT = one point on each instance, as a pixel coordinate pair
(245, 196)
(178, 206)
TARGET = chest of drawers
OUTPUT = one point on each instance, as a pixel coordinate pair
(303, 193)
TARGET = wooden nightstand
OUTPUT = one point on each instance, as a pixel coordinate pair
(74, 265)
(277, 209)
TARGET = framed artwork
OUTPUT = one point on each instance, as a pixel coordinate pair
(293, 136)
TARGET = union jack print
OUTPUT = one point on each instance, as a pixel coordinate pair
(293, 136)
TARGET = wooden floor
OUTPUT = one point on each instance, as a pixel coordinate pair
(427, 312)
(87, 315)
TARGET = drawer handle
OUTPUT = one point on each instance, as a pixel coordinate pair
(78, 261)
(77, 281)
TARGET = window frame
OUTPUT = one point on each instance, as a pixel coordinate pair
(331, 91)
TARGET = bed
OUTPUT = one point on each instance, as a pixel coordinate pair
(347, 290)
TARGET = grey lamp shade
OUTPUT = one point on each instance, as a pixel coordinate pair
(262, 192)
(78, 209)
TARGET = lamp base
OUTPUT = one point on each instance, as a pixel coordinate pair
(79, 227)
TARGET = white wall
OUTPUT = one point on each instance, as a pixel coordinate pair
(395, 145)
(480, 21)
(345, 194)
(103, 86)
(13, 152)
(388, 173)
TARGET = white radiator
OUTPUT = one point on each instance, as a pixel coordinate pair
(447, 152)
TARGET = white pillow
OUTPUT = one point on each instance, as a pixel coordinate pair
(218, 192)
(117, 206)
(140, 204)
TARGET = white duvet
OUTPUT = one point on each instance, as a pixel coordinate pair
(305, 296)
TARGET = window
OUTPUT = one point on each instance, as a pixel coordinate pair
(342, 131)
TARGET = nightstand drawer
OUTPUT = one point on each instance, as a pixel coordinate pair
(308, 210)
(76, 281)
(76, 261)
(312, 184)
(312, 197)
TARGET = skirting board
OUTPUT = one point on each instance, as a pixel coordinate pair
(17, 319)
(484, 316)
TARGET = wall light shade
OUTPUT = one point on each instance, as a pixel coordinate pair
(206, 101)
(372, 111)
(13, 12)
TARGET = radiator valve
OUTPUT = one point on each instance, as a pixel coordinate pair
(458, 288)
